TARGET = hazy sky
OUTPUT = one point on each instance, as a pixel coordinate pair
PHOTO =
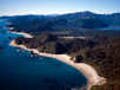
(15, 7)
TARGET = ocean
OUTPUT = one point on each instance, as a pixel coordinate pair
(20, 70)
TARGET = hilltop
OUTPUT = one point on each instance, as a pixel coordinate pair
(76, 23)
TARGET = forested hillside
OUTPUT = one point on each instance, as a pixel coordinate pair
(81, 21)
(103, 53)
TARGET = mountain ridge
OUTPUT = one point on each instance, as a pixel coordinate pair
(67, 22)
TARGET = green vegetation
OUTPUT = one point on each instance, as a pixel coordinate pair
(100, 48)
(107, 58)
(72, 23)
(102, 52)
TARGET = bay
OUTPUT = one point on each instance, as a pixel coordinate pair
(20, 70)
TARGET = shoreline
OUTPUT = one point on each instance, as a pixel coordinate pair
(87, 70)
(22, 33)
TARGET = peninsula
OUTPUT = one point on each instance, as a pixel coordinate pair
(91, 45)
(49, 45)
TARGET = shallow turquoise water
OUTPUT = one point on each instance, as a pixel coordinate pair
(21, 71)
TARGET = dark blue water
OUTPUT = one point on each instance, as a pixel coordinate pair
(19, 70)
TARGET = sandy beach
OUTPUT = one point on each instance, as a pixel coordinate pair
(88, 71)
(23, 34)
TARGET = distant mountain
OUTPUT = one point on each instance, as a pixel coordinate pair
(80, 21)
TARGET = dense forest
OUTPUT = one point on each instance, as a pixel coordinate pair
(100, 47)
(70, 23)
(103, 53)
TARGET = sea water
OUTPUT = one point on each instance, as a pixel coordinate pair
(20, 70)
